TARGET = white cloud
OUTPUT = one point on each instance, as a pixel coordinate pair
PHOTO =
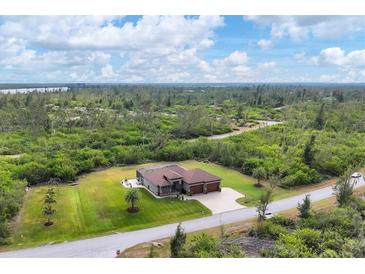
(92, 33)
(233, 67)
(351, 65)
(337, 56)
(304, 58)
(264, 44)
(236, 58)
(99, 57)
(148, 49)
(334, 56)
(107, 71)
(204, 66)
(299, 28)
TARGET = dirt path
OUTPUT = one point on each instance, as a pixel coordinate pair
(261, 124)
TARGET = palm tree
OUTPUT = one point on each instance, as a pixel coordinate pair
(48, 211)
(132, 198)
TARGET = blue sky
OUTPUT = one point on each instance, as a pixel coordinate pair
(148, 49)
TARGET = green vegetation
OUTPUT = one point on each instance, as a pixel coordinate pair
(338, 232)
(96, 206)
(177, 243)
(48, 209)
(132, 198)
(55, 137)
(304, 208)
(263, 204)
(202, 246)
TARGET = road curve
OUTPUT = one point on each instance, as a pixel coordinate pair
(106, 246)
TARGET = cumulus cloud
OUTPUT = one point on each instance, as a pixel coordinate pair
(147, 49)
(162, 49)
(107, 71)
(97, 32)
(299, 28)
(337, 56)
(232, 67)
(351, 65)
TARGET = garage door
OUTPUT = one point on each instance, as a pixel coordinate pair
(212, 187)
(196, 189)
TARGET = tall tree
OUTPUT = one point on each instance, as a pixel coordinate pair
(320, 120)
(344, 188)
(308, 153)
(260, 174)
(177, 243)
(262, 206)
(305, 207)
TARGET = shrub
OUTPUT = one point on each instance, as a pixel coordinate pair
(283, 221)
(310, 237)
(204, 246)
(353, 248)
(332, 240)
(267, 229)
(328, 253)
(33, 173)
(289, 246)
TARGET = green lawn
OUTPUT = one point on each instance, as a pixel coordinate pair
(239, 182)
(96, 206)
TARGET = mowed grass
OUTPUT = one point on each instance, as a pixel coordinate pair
(96, 206)
(240, 182)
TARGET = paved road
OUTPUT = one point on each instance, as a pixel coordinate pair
(105, 246)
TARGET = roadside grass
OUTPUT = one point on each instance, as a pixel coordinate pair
(96, 206)
(162, 246)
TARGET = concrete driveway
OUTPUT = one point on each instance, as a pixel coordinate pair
(219, 202)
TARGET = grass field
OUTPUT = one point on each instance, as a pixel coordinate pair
(96, 206)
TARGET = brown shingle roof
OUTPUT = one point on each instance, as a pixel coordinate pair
(157, 176)
(198, 175)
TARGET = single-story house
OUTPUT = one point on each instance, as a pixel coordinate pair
(174, 179)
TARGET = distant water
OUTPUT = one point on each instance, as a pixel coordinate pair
(27, 90)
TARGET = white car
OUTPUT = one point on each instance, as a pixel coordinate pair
(356, 175)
